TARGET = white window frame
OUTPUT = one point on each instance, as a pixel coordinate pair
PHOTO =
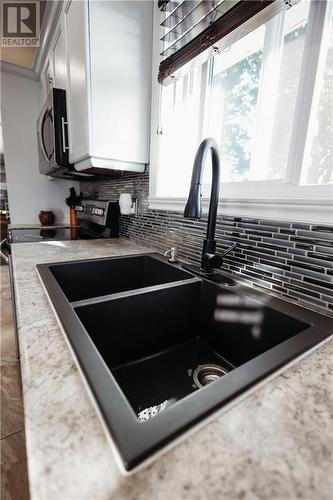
(285, 199)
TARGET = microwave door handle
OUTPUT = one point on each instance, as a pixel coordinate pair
(49, 114)
(41, 135)
(63, 135)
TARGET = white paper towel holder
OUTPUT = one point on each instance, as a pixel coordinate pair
(128, 205)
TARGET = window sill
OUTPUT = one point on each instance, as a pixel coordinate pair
(309, 211)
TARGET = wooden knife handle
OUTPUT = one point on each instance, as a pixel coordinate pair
(72, 217)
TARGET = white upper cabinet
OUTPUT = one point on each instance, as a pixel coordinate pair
(108, 46)
(120, 65)
(78, 99)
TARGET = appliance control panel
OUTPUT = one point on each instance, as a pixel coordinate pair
(93, 210)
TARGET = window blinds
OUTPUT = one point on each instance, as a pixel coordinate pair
(192, 26)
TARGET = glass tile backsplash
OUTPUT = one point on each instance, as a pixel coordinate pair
(292, 260)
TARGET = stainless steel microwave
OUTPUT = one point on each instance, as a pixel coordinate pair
(52, 135)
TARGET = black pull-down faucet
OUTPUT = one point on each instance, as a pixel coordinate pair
(209, 259)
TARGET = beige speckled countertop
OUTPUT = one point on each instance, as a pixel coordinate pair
(275, 444)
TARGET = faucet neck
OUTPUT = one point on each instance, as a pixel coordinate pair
(193, 205)
(214, 195)
(209, 259)
(209, 246)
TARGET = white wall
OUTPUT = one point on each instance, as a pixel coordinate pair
(28, 190)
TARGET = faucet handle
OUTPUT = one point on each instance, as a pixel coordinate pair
(211, 261)
(229, 249)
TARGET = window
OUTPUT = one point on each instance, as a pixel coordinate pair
(234, 103)
(268, 102)
(318, 163)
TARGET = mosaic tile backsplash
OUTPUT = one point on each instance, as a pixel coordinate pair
(291, 259)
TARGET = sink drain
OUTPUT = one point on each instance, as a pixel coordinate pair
(206, 374)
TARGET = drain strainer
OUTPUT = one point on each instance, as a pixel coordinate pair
(206, 374)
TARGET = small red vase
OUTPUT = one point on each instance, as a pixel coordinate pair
(46, 218)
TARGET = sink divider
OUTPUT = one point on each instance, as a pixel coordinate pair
(129, 293)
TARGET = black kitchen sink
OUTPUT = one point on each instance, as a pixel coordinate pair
(162, 349)
(160, 338)
(98, 277)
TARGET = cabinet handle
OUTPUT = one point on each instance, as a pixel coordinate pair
(63, 123)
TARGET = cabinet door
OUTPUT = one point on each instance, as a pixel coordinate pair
(120, 61)
(78, 104)
(59, 61)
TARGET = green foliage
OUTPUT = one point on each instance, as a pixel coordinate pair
(321, 169)
(241, 85)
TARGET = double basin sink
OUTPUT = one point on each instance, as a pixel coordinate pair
(162, 350)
